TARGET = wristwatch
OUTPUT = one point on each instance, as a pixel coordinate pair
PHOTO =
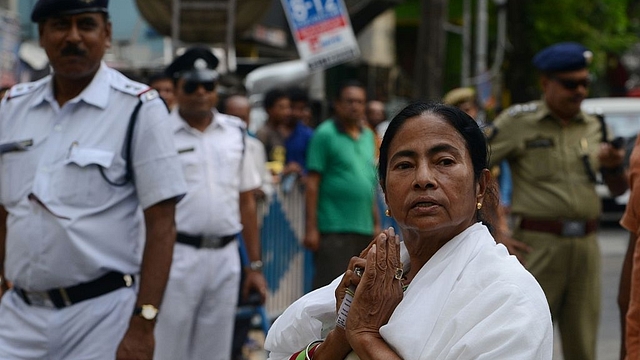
(147, 312)
(256, 265)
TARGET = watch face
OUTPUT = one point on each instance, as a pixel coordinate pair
(149, 312)
(256, 265)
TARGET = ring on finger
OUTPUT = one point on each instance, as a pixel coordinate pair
(358, 271)
(398, 274)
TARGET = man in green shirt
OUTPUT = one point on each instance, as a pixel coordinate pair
(555, 152)
(341, 213)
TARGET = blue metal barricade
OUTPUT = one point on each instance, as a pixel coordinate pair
(288, 266)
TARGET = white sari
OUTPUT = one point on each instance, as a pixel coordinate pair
(471, 300)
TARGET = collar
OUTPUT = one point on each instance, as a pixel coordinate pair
(545, 113)
(181, 124)
(95, 93)
(340, 127)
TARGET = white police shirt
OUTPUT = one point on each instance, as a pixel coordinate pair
(66, 225)
(217, 168)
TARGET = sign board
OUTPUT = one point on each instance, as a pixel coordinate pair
(322, 32)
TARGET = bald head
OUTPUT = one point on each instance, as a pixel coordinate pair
(238, 105)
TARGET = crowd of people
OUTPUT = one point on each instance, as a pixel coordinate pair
(129, 223)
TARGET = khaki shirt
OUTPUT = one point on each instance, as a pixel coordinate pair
(550, 179)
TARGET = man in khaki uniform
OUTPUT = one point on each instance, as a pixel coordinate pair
(555, 152)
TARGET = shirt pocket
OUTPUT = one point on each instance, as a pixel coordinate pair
(191, 167)
(17, 171)
(81, 179)
(228, 165)
(10, 178)
(542, 160)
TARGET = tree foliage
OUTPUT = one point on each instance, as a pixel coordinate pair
(606, 27)
(602, 25)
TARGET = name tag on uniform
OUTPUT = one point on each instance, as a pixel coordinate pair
(539, 143)
(182, 151)
(15, 146)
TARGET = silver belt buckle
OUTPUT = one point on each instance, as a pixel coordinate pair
(574, 228)
(211, 242)
(39, 298)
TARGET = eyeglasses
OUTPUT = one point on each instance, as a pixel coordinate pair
(190, 87)
(572, 84)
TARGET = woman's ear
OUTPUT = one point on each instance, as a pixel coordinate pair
(483, 183)
(384, 192)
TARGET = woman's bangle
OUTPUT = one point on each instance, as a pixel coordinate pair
(311, 349)
(307, 353)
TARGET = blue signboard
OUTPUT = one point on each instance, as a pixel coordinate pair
(322, 31)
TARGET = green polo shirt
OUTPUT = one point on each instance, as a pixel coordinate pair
(348, 183)
(550, 179)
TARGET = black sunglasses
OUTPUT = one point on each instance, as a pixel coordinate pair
(572, 84)
(190, 87)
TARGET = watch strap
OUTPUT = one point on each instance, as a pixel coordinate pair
(146, 311)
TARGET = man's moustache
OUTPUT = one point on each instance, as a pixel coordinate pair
(72, 50)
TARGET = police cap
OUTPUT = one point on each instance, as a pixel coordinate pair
(458, 96)
(564, 56)
(48, 8)
(197, 64)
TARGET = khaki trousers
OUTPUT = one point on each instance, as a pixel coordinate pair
(568, 269)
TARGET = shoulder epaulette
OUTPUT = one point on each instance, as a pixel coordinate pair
(520, 109)
(23, 88)
(233, 121)
(127, 86)
(148, 95)
(490, 131)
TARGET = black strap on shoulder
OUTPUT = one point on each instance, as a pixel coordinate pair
(243, 133)
(128, 176)
(243, 136)
(585, 157)
(603, 127)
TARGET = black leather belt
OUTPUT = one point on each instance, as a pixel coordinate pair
(204, 242)
(63, 297)
(567, 228)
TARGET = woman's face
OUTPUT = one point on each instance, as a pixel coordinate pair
(430, 185)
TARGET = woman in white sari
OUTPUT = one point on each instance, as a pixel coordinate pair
(449, 291)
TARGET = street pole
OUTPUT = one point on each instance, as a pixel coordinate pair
(500, 49)
(430, 50)
(481, 38)
(175, 25)
(465, 74)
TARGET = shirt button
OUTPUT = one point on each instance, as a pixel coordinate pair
(58, 128)
(45, 169)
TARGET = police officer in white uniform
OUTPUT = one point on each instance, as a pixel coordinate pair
(79, 189)
(197, 315)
